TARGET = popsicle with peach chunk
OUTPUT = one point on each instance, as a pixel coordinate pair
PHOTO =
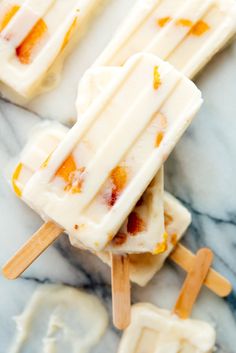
(186, 33)
(33, 34)
(143, 267)
(115, 153)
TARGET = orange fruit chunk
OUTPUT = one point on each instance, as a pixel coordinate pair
(119, 239)
(199, 28)
(135, 224)
(156, 78)
(66, 169)
(174, 239)
(163, 21)
(8, 16)
(184, 22)
(162, 246)
(69, 33)
(118, 178)
(159, 138)
(162, 122)
(76, 181)
(168, 219)
(25, 49)
(15, 177)
(72, 175)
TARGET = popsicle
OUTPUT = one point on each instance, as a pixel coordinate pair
(91, 209)
(36, 34)
(155, 330)
(187, 33)
(177, 218)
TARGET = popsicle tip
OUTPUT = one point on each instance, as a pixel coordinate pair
(122, 325)
(227, 289)
(8, 273)
(208, 252)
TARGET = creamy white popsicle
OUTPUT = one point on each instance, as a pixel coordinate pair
(176, 217)
(36, 34)
(155, 330)
(186, 33)
(91, 209)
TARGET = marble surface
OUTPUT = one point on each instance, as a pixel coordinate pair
(200, 172)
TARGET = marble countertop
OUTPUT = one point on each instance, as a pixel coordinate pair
(200, 172)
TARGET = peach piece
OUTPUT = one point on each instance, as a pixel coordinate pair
(66, 169)
(72, 175)
(135, 224)
(199, 28)
(119, 239)
(118, 178)
(163, 21)
(69, 33)
(159, 138)
(25, 50)
(162, 246)
(185, 22)
(156, 78)
(8, 16)
(168, 219)
(15, 177)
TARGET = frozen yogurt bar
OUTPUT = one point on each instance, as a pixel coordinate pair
(36, 34)
(89, 186)
(186, 33)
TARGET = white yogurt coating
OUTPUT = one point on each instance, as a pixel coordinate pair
(62, 24)
(155, 330)
(186, 33)
(60, 319)
(176, 217)
(81, 205)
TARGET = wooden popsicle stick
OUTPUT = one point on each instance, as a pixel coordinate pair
(214, 280)
(193, 283)
(121, 296)
(31, 250)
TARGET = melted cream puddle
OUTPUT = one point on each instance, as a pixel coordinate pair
(60, 319)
